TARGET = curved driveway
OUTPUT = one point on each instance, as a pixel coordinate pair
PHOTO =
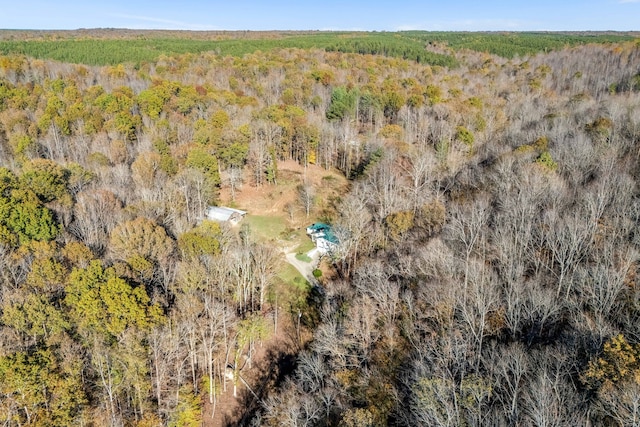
(305, 268)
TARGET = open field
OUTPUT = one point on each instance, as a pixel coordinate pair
(275, 216)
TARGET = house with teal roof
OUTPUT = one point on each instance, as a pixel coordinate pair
(323, 236)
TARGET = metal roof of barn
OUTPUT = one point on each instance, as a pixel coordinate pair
(220, 213)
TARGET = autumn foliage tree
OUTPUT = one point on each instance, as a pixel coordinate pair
(486, 268)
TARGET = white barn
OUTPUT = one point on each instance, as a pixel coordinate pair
(224, 214)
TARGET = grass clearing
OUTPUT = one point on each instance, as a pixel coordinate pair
(276, 229)
(269, 222)
(306, 245)
(289, 275)
(267, 227)
(301, 256)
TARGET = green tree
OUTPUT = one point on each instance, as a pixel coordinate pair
(433, 94)
(399, 223)
(37, 388)
(45, 178)
(151, 102)
(201, 159)
(343, 103)
(189, 410)
(47, 274)
(36, 318)
(103, 305)
(393, 101)
(465, 136)
(271, 171)
(119, 109)
(8, 181)
(167, 163)
(620, 361)
(545, 160)
(202, 240)
(25, 217)
(233, 151)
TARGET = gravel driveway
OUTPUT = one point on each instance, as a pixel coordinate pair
(306, 268)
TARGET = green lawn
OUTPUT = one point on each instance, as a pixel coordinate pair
(301, 256)
(291, 276)
(275, 228)
(266, 227)
(306, 245)
(292, 289)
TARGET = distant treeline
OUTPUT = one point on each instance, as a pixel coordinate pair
(510, 44)
(411, 45)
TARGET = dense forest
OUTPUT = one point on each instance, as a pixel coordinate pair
(488, 247)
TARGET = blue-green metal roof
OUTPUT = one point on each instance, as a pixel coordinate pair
(319, 226)
(330, 236)
(326, 230)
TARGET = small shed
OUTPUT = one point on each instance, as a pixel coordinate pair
(323, 236)
(224, 214)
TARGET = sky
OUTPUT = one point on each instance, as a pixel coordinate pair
(370, 15)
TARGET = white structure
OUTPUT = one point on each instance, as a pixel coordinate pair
(324, 238)
(224, 214)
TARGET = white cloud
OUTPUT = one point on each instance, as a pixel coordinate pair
(168, 24)
(467, 25)
(343, 29)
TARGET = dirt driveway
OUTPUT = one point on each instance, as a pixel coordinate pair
(305, 268)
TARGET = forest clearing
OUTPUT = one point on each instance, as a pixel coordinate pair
(480, 189)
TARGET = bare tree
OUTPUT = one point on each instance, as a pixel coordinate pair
(211, 327)
(568, 239)
(166, 357)
(467, 226)
(353, 229)
(192, 195)
(292, 408)
(384, 186)
(233, 178)
(551, 398)
(265, 261)
(511, 367)
(421, 168)
(265, 136)
(307, 195)
(480, 300)
(97, 212)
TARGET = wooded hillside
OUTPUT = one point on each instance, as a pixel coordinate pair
(488, 257)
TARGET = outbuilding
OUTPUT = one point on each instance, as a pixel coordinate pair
(224, 214)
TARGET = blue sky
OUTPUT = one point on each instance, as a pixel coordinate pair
(454, 15)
